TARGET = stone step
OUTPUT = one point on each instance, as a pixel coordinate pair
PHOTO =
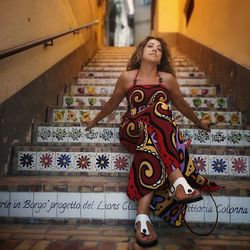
(77, 115)
(115, 160)
(104, 198)
(120, 69)
(103, 81)
(113, 74)
(65, 134)
(99, 89)
(96, 101)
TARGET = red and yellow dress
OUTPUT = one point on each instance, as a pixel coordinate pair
(149, 131)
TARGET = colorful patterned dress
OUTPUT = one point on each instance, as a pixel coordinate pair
(149, 131)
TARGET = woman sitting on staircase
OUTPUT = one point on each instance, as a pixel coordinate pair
(162, 177)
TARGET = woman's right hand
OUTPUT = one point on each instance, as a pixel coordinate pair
(89, 123)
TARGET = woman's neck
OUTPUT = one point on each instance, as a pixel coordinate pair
(148, 71)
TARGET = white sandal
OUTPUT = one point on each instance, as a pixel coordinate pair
(193, 195)
(143, 219)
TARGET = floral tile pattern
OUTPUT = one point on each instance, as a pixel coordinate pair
(75, 134)
(64, 161)
(218, 165)
(102, 162)
(235, 137)
(83, 162)
(46, 161)
(78, 115)
(239, 165)
(201, 137)
(26, 160)
(106, 135)
(219, 137)
(121, 162)
(117, 162)
(44, 134)
(60, 134)
(201, 163)
(91, 135)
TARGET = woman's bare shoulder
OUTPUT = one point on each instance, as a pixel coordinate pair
(168, 80)
(128, 75)
(166, 76)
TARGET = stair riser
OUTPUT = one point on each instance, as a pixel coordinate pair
(112, 206)
(108, 90)
(109, 135)
(112, 74)
(51, 162)
(96, 101)
(184, 81)
(79, 115)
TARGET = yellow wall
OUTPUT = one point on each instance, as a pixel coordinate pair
(25, 21)
(167, 16)
(222, 25)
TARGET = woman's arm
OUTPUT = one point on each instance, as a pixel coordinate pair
(112, 103)
(180, 103)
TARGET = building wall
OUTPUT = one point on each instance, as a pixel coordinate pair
(32, 80)
(29, 20)
(220, 25)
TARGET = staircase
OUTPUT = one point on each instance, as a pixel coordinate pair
(70, 174)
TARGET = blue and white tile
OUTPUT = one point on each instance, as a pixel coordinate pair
(68, 205)
(222, 203)
(60, 134)
(92, 205)
(202, 137)
(201, 163)
(239, 210)
(75, 134)
(218, 165)
(218, 137)
(91, 135)
(102, 162)
(27, 160)
(121, 162)
(247, 138)
(235, 137)
(115, 206)
(64, 161)
(21, 204)
(46, 161)
(5, 204)
(187, 133)
(195, 212)
(238, 165)
(106, 135)
(45, 204)
(83, 161)
(44, 134)
(116, 137)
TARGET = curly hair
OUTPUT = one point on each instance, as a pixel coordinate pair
(165, 64)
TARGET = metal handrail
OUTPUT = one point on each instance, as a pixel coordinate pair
(48, 41)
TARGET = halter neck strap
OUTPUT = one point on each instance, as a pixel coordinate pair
(137, 73)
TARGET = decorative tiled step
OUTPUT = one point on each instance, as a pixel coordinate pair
(90, 89)
(104, 198)
(123, 68)
(104, 81)
(98, 160)
(93, 101)
(70, 115)
(79, 135)
(113, 74)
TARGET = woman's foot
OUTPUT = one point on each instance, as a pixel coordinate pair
(144, 230)
(183, 193)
